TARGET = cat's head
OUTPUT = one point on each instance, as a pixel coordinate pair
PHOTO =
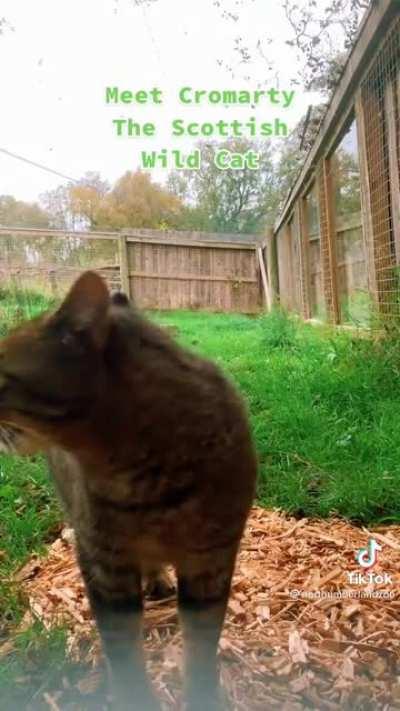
(52, 368)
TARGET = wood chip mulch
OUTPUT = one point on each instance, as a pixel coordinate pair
(324, 647)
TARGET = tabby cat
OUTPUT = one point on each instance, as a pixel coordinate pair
(150, 450)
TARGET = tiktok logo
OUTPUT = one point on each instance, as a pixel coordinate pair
(367, 557)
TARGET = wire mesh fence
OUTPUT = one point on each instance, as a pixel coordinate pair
(49, 263)
(350, 229)
(380, 92)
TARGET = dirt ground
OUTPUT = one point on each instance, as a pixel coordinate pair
(300, 632)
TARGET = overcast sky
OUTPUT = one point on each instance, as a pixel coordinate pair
(61, 55)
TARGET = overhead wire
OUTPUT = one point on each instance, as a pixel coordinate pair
(37, 165)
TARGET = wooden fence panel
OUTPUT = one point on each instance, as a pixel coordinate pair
(285, 267)
(160, 270)
(181, 276)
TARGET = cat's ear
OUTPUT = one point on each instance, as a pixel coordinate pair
(84, 309)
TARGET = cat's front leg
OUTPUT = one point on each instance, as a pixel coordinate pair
(203, 592)
(115, 596)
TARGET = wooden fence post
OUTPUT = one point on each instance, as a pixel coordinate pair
(326, 197)
(124, 265)
(264, 278)
(304, 258)
(272, 267)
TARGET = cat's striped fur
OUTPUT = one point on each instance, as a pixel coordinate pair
(150, 450)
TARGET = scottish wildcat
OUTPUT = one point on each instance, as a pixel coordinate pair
(150, 450)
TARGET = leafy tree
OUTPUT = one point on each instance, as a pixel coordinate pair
(5, 25)
(135, 201)
(16, 213)
(58, 206)
(287, 167)
(86, 199)
(323, 32)
(194, 219)
(227, 200)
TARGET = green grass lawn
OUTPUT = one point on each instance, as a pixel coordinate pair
(324, 412)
